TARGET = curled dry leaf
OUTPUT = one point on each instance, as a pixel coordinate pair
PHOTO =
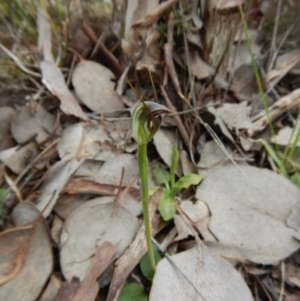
(17, 158)
(6, 116)
(32, 123)
(56, 178)
(25, 255)
(249, 207)
(52, 76)
(89, 226)
(93, 84)
(209, 278)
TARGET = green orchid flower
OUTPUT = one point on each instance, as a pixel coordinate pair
(146, 120)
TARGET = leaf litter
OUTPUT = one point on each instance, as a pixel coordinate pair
(82, 175)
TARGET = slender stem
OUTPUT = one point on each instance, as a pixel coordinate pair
(143, 166)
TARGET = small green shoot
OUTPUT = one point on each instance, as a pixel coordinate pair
(167, 202)
(133, 292)
(145, 265)
(3, 193)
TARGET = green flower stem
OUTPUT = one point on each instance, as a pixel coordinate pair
(143, 166)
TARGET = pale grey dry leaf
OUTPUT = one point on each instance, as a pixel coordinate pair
(212, 155)
(32, 122)
(293, 220)
(187, 166)
(89, 226)
(57, 225)
(164, 141)
(111, 171)
(284, 136)
(212, 279)
(198, 215)
(37, 263)
(52, 76)
(183, 231)
(200, 69)
(240, 54)
(89, 287)
(6, 116)
(249, 207)
(52, 288)
(56, 178)
(93, 84)
(236, 116)
(17, 158)
(75, 143)
(284, 63)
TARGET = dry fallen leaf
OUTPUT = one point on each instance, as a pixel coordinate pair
(284, 137)
(210, 279)
(164, 141)
(55, 180)
(111, 171)
(249, 207)
(236, 116)
(141, 42)
(25, 256)
(34, 123)
(91, 225)
(52, 76)
(132, 256)
(17, 158)
(212, 155)
(75, 143)
(93, 84)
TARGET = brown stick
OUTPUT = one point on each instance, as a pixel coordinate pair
(110, 58)
(181, 128)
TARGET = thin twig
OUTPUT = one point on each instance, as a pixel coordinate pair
(181, 128)
(273, 43)
(107, 55)
(168, 50)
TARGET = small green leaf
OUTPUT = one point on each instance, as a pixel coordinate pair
(145, 265)
(3, 192)
(274, 156)
(187, 181)
(166, 206)
(174, 162)
(133, 292)
(295, 178)
(162, 176)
